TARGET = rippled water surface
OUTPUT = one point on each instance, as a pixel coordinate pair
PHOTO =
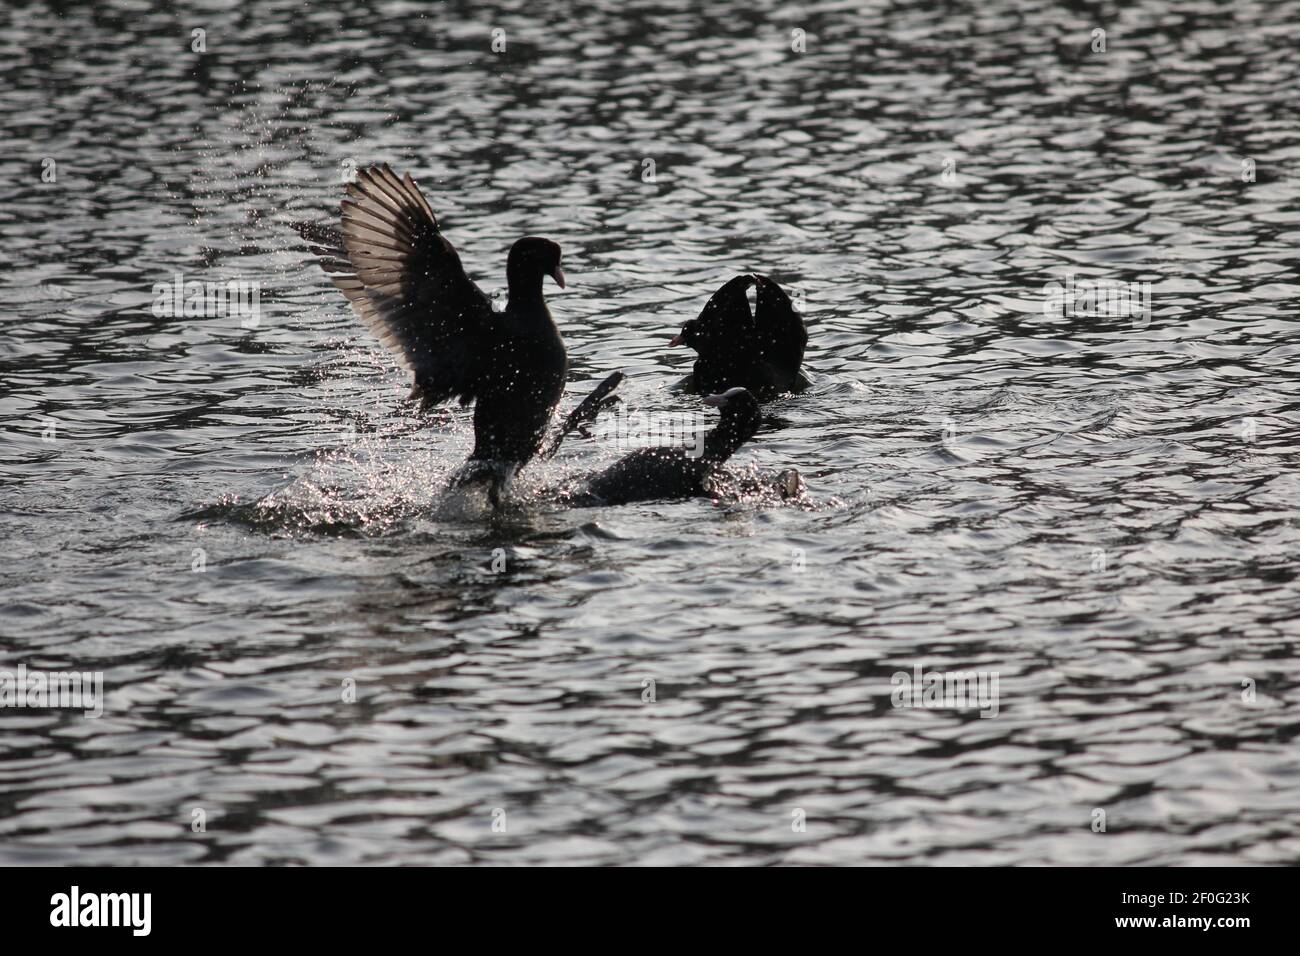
(1102, 511)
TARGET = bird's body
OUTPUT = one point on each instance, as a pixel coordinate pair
(406, 283)
(516, 398)
(652, 473)
(760, 351)
(655, 473)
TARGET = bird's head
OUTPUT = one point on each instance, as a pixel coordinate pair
(737, 405)
(688, 336)
(532, 258)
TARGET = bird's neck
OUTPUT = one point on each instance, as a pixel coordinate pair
(525, 293)
(722, 442)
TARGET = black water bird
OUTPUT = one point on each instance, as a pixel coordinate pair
(406, 283)
(761, 351)
(678, 472)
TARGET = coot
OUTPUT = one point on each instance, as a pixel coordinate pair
(760, 351)
(678, 472)
(405, 281)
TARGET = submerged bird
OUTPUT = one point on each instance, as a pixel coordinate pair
(761, 352)
(406, 283)
(678, 472)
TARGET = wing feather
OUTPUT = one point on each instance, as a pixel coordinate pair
(782, 336)
(406, 283)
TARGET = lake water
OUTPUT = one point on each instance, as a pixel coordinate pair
(309, 658)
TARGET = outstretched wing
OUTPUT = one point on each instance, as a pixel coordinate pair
(726, 314)
(781, 332)
(406, 283)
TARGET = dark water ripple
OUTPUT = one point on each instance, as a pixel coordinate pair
(968, 456)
